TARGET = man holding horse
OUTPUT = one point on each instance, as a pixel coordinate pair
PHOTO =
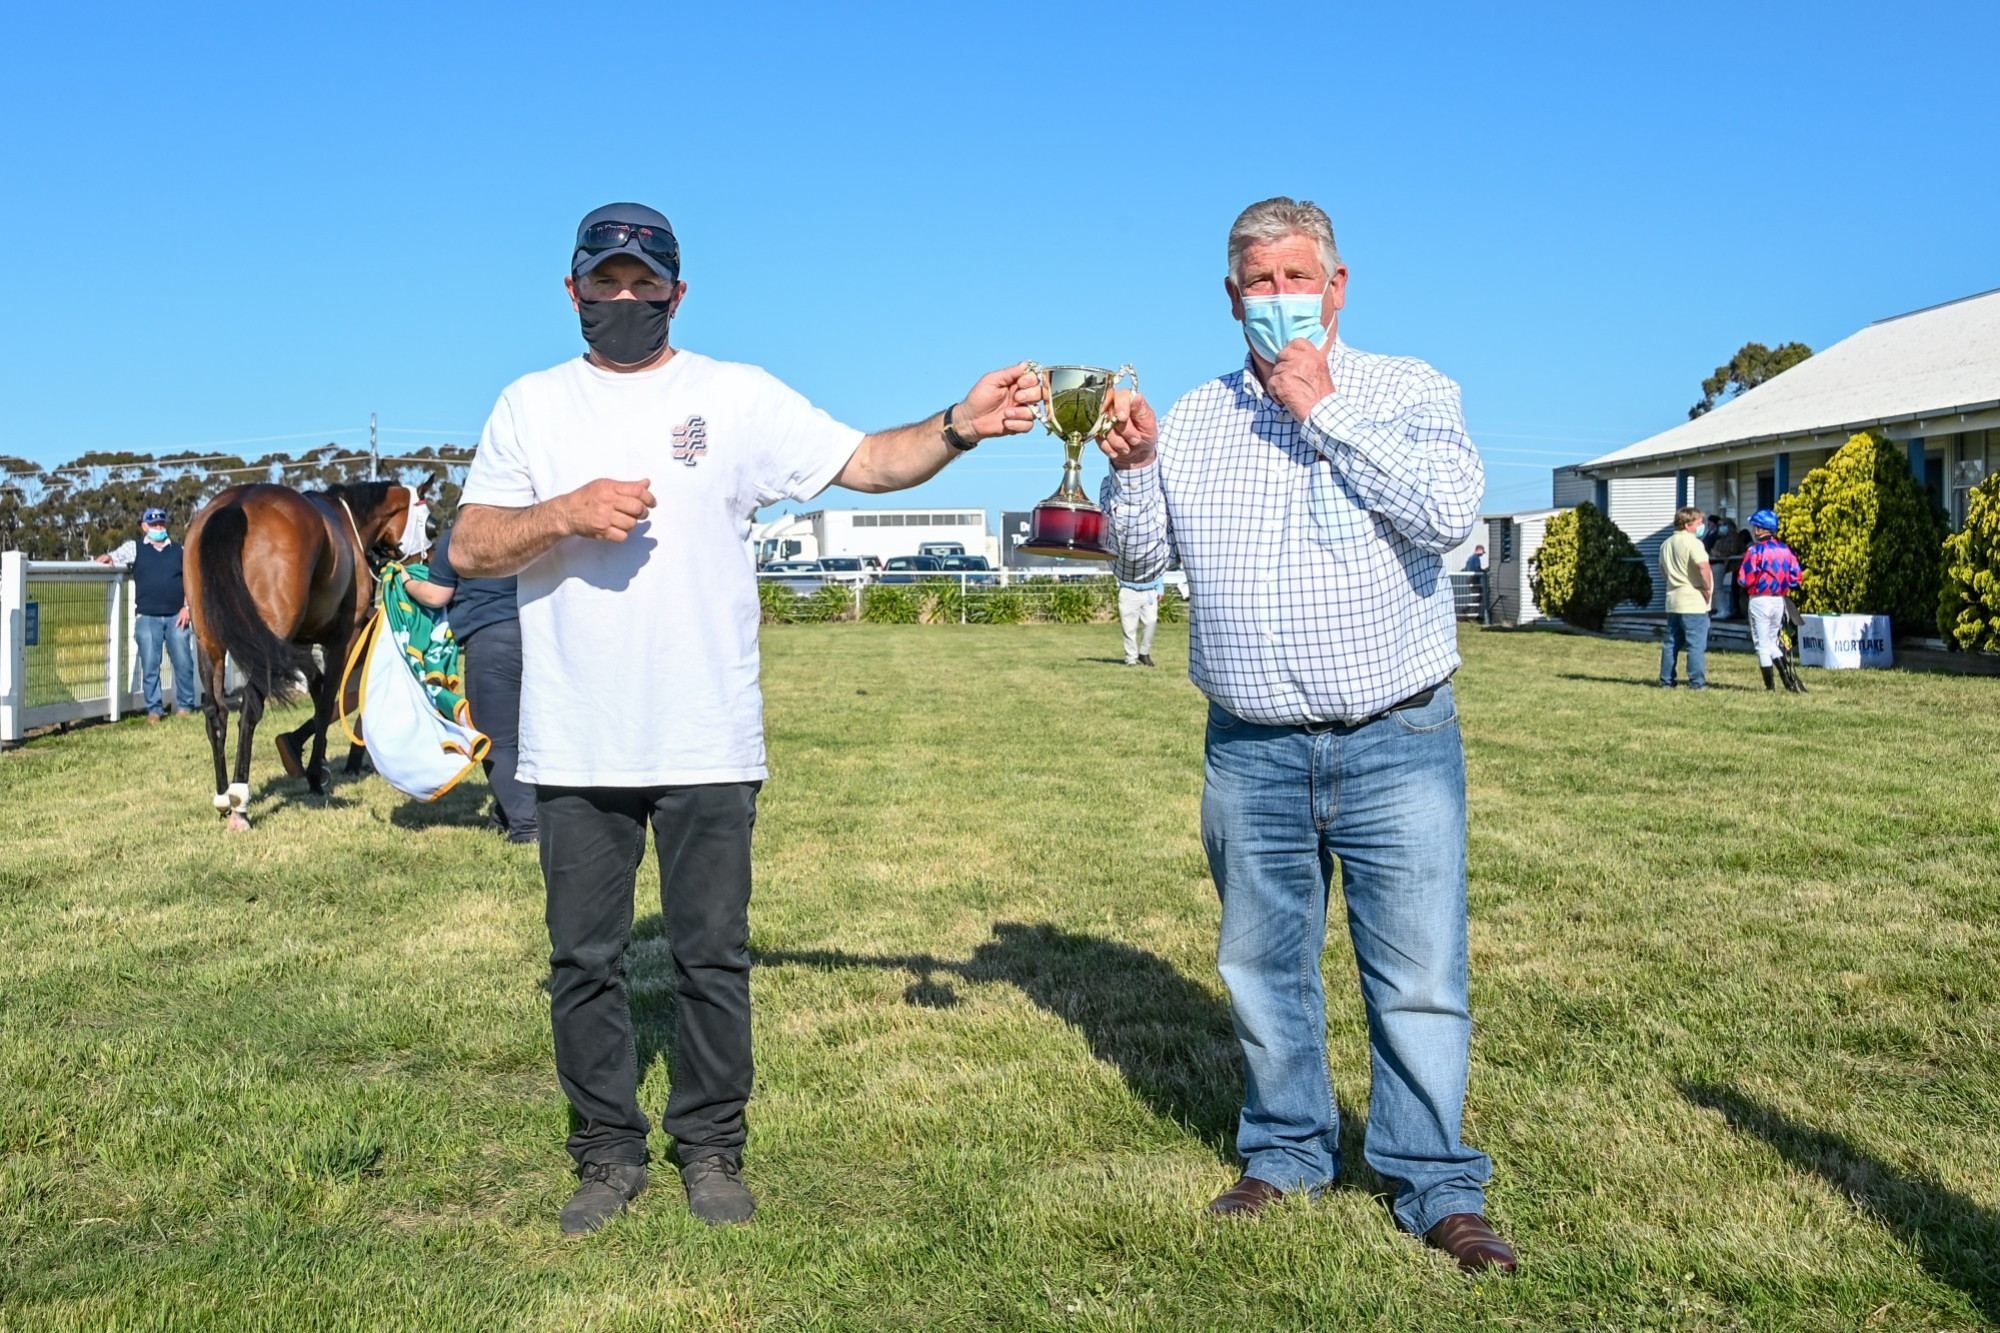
(620, 487)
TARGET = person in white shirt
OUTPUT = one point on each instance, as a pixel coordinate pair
(1139, 616)
(620, 487)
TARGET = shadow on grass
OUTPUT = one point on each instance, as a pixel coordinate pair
(1641, 683)
(1957, 1239)
(280, 789)
(1169, 1039)
(464, 806)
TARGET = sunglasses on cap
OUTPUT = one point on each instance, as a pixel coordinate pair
(655, 241)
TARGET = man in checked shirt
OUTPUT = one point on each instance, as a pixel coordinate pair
(1311, 495)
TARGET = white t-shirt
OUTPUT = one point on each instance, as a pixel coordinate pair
(639, 658)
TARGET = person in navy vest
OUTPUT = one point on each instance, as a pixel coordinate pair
(486, 619)
(161, 601)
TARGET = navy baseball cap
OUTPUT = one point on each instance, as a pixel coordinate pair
(627, 229)
(153, 516)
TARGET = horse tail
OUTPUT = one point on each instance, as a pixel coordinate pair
(231, 615)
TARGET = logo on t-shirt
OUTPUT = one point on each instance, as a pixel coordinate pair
(690, 440)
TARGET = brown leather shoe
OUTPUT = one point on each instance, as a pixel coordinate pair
(1246, 1198)
(1467, 1238)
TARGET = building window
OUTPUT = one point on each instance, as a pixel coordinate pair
(1767, 489)
(866, 520)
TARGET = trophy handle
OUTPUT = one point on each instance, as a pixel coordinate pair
(1041, 404)
(1105, 413)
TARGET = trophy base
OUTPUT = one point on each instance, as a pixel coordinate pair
(1066, 530)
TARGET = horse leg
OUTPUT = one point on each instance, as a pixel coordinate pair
(215, 711)
(246, 728)
(325, 686)
(291, 745)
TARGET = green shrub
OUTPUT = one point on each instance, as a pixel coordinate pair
(1585, 567)
(941, 601)
(1868, 538)
(1969, 600)
(891, 604)
(779, 604)
(830, 602)
(1173, 607)
(1075, 603)
(996, 606)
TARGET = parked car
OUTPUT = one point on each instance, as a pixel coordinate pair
(940, 548)
(801, 576)
(844, 569)
(871, 563)
(973, 567)
(910, 568)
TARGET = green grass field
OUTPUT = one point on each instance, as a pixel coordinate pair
(1733, 976)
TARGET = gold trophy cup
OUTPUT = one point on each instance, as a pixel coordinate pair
(1076, 407)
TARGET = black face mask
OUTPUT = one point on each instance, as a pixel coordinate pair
(625, 333)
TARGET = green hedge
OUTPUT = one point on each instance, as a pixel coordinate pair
(892, 604)
(1585, 567)
(1968, 612)
(1868, 538)
(945, 601)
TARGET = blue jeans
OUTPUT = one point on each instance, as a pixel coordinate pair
(1686, 633)
(1388, 799)
(153, 632)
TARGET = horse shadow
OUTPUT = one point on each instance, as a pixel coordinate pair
(280, 790)
(1956, 1239)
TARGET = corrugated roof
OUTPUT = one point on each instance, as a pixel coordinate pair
(1943, 358)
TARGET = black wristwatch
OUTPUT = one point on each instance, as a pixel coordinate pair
(953, 438)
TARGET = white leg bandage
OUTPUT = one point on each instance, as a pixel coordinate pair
(221, 802)
(239, 796)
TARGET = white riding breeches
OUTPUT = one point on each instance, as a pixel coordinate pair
(1767, 617)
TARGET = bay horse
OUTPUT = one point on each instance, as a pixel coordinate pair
(273, 572)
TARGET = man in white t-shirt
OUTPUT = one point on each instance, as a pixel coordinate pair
(620, 486)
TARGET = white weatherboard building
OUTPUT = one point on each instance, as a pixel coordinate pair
(877, 532)
(1929, 380)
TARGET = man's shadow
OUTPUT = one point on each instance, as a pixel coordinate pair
(1169, 1039)
(1957, 1239)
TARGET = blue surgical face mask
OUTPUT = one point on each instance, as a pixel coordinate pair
(1273, 321)
(157, 536)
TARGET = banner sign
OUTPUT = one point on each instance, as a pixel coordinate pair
(34, 625)
(1846, 642)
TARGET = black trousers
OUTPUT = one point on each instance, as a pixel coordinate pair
(592, 842)
(493, 688)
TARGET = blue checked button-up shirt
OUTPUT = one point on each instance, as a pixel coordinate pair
(1314, 551)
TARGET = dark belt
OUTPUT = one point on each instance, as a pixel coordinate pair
(1417, 700)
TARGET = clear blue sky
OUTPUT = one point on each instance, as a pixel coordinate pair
(249, 222)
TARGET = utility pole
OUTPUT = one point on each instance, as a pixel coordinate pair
(374, 457)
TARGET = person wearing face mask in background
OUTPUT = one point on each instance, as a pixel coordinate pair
(160, 601)
(1312, 495)
(1690, 592)
(620, 488)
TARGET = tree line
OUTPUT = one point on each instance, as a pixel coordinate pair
(85, 507)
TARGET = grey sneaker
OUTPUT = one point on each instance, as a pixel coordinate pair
(603, 1190)
(715, 1191)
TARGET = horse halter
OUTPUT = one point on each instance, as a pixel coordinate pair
(367, 552)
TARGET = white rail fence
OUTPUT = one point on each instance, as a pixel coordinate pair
(68, 645)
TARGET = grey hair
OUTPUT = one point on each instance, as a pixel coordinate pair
(1275, 219)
